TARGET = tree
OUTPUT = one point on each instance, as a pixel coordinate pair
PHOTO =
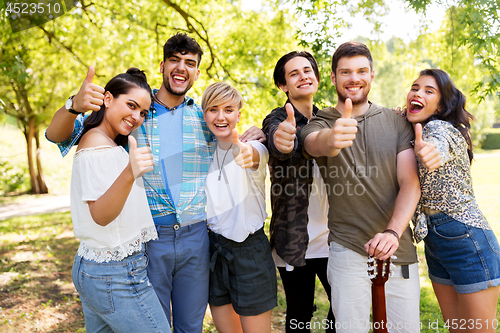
(15, 102)
(42, 66)
(475, 26)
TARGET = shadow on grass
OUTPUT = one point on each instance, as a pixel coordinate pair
(37, 255)
(37, 293)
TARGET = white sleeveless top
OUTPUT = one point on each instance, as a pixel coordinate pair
(94, 171)
(236, 203)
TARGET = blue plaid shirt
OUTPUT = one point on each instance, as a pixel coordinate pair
(198, 145)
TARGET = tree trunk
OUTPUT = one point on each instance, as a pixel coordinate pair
(30, 135)
(41, 181)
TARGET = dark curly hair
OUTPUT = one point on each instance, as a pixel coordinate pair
(183, 44)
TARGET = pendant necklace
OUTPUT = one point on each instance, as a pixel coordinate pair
(157, 100)
(217, 157)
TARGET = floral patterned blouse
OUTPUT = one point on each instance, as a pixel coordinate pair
(447, 189)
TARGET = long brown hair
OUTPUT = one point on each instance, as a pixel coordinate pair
(452, 105)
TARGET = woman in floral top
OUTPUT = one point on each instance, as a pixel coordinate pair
(462, 251)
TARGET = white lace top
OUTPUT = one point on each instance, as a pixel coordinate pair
(94, 171)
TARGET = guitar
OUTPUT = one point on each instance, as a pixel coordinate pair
(379, 271)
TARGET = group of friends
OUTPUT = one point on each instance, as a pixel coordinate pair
(153, 171)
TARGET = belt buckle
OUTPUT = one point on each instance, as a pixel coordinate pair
(177, 226)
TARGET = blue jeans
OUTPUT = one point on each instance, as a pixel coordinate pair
(179, 272)
(117, 296)
(460, 255)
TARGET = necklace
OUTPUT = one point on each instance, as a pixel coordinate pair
(217, 157)
(157, 100)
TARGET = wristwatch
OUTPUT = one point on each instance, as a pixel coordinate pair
(69, 106)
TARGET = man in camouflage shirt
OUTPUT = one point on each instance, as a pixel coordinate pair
(299, 202)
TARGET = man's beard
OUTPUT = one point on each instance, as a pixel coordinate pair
(357, 101)
(166, 84)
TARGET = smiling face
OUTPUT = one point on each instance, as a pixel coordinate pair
(222, 119)
(301, 81)
(179, 72)
(423, 100)
(353, 79)
(126, 112)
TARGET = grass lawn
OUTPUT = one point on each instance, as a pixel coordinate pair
(36, 255)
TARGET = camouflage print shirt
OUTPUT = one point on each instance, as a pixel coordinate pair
(291, 179)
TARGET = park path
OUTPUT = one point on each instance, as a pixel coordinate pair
(37, 205)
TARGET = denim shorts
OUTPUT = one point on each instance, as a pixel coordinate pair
(243, 274)
(117, 296)
(460, 255)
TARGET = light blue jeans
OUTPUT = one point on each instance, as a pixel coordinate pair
(117, 296)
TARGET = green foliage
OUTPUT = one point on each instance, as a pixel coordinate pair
(397, 65)
(477, 28)
(472, 31)
(12, 178)
(239, 46)
(492, 139)
(322, 27)
(42, 66)
(442, 49)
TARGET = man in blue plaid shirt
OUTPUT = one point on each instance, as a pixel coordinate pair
(181, 145)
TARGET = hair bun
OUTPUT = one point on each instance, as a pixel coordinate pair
(137, 73)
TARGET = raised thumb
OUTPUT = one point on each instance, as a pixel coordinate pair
(290, 113)
(236, 137)
(132, 143)
(90, 75)
(348, 108)
(418, 135)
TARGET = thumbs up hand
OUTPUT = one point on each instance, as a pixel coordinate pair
(284, 137)
(141, 159)
(344, 131)
(426, 151)
(90, 96)
(242, 152)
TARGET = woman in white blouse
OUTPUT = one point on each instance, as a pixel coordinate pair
(111, 215)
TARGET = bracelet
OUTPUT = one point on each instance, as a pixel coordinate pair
(390, 231)
(74, 112)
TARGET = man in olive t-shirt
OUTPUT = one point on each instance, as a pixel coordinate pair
(369, 167)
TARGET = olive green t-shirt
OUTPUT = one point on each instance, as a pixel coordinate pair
(361, 180)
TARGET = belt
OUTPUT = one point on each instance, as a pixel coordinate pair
(177, 226)
(227, 258)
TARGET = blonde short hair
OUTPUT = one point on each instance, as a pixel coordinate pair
(220, 93)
